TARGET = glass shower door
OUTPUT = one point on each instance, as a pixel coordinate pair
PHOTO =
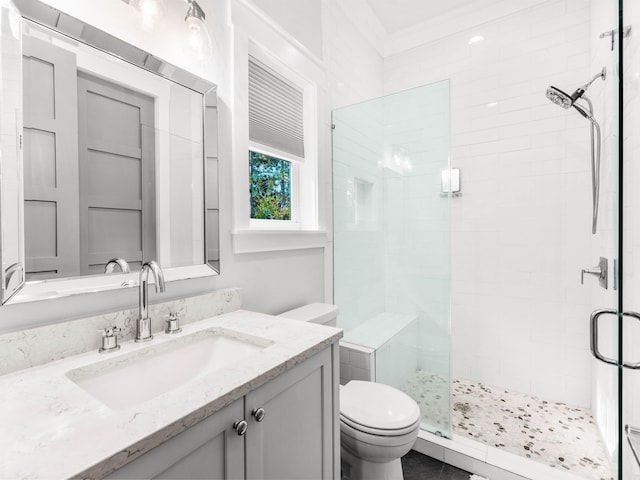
(392, 242)
(629, 104)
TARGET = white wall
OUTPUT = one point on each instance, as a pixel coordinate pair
(521, 229)
(271, 282)
(301, 18)
(353, 59)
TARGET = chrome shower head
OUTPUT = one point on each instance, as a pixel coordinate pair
(559, 97)
(567, 101)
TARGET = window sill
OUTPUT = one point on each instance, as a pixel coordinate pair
(253, 241)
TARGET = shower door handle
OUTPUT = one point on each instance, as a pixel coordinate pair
(632, 366)
(595, 316)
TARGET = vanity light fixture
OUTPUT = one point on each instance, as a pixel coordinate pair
(151, 11)
(199, 39)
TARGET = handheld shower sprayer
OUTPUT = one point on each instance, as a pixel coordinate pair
(567, 101)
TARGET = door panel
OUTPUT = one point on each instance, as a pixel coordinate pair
(50, 161)
(294, 440)
(117, 174)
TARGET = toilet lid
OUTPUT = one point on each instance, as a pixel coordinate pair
(377, 406)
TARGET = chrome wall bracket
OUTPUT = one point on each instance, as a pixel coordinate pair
(612, 33)
(601, 271)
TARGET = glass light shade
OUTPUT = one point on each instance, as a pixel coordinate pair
(199, 41)
(151, 11)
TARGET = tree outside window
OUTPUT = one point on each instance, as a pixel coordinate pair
(270, 187)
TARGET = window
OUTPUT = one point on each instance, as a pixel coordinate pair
(276, 143)
(277, 125)
(270, 187)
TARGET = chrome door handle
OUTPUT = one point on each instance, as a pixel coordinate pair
(595, 316)
(632, 366)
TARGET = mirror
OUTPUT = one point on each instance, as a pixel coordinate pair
(118, 161)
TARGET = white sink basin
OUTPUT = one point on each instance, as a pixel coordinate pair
(128, 380)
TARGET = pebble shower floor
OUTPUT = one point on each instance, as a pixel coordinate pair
(553, 433)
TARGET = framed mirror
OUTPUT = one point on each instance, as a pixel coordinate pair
(110, 161)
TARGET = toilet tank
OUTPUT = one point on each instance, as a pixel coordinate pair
(322, 313)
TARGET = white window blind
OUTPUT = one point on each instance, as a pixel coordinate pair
(275, 110)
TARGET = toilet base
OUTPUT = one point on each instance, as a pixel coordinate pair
(354, 468)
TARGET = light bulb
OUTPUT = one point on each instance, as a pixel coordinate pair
(199, 41)
(151, 11)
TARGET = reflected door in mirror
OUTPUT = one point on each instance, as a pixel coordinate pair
(116, 144)
(89, 168)
(50, 161)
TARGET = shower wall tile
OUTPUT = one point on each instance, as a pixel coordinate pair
(605, 101)
(521, 229)
(356, 363)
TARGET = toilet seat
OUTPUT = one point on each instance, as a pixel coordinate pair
(377, 409)
(381, 432)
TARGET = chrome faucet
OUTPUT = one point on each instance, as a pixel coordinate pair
(144, 322)
(120, 262)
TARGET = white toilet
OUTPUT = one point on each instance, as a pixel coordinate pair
(378, 423)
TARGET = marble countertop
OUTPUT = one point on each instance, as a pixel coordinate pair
(52, 428)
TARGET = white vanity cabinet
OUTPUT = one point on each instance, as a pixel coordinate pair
(291, 433)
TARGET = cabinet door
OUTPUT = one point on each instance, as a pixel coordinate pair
(211, 449)
(295, 440)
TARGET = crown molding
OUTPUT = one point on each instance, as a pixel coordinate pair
(366, 22)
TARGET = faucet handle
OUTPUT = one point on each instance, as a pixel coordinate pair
(173, 323)
(109, 339)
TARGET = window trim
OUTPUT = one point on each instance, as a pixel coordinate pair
(252, 30)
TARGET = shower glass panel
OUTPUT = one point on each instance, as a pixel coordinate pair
(392, 242)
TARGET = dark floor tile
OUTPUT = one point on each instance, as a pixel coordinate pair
(416, 466)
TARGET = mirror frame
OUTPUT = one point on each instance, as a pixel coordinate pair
(64, 24)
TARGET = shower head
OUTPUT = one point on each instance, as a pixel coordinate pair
(559, 97)
(567, 101)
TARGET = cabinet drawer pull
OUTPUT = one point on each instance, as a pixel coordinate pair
(258, 414)
(241, 427)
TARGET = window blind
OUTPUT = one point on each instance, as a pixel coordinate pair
(275, 110)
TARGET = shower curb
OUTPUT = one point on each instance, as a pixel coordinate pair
(481, 459)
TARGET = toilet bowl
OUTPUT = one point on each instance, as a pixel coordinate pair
(378, 423)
